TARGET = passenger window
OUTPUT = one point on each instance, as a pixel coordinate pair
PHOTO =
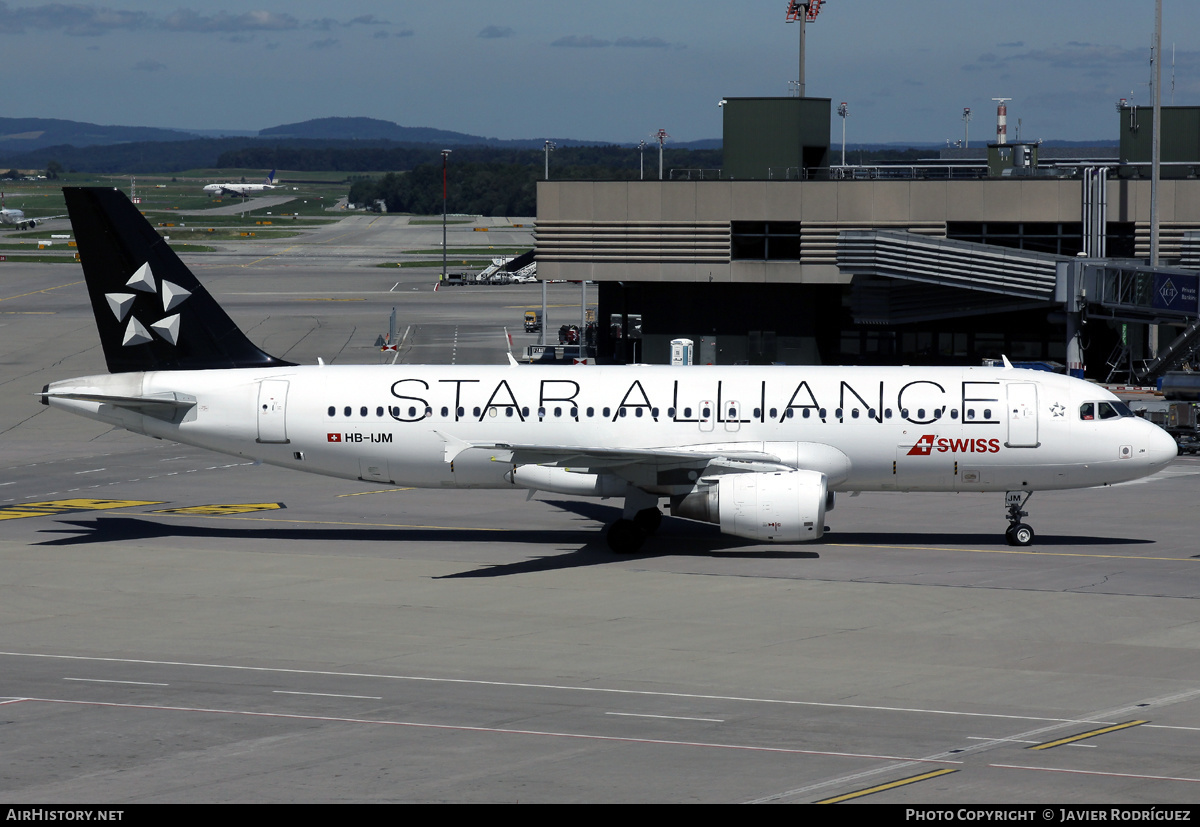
(591, 411)
(362, 411)
(332, 410)
(445, 412)
(346, 410)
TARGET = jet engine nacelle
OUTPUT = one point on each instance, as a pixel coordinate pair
(776, 507)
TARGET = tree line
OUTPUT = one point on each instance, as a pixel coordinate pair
(504, 182)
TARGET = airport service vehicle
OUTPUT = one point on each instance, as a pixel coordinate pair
(758, 451)
(242, 190)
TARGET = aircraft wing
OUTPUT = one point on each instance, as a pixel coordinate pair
(699, 457)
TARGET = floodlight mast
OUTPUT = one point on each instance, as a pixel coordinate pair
(661, 136)
(844, 112)
(550, 145)
(802, 12)
(445, 157)
(966, 127)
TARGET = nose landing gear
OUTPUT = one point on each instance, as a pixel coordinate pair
(1017, 533)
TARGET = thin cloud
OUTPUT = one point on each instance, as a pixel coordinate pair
(327, 43)
(573, 41)
(186, 20)
(642, 42)
(490, 32)
(149, 66)
(72, 19)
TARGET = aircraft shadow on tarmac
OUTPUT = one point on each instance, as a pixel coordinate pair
(682, 538)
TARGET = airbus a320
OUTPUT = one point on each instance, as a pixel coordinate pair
(757, 451)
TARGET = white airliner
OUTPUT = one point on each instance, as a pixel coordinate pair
(242, 190)
(17, 217)
(758, 451)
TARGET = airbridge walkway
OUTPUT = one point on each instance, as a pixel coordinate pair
(953, 277)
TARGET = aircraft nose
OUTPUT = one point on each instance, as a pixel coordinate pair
(1161, 449)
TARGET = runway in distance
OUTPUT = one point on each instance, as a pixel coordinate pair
(242, 190)
(758, 451)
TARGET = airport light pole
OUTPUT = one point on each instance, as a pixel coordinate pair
(966, 127)
(642, 161)
(549, 148)
(662, 136)
(844, 112)
(445, 157)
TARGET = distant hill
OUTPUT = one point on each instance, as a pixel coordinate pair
(29, 134)
(369, 129)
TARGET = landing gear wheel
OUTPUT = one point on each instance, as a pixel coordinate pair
(625, 537)
(1019, 535)
(648, 520)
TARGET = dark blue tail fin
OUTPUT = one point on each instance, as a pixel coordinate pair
(151, 312)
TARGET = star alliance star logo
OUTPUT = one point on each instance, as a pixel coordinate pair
(1058, 409)
(171, 295)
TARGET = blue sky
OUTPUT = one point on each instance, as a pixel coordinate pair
(613, 71)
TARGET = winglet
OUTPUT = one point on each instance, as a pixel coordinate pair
(1007, 364)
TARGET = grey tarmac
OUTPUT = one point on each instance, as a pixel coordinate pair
(181, 626)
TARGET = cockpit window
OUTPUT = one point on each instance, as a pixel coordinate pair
(1104, 410)
(1112, 410)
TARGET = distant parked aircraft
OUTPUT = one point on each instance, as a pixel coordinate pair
(17, 217)
(243, 190)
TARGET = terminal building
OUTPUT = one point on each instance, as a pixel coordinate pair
(783, 256)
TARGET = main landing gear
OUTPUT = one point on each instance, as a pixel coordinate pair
(1017, 533)
(640, 520)
(626, 536)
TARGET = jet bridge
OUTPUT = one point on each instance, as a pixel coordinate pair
(903, 277)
